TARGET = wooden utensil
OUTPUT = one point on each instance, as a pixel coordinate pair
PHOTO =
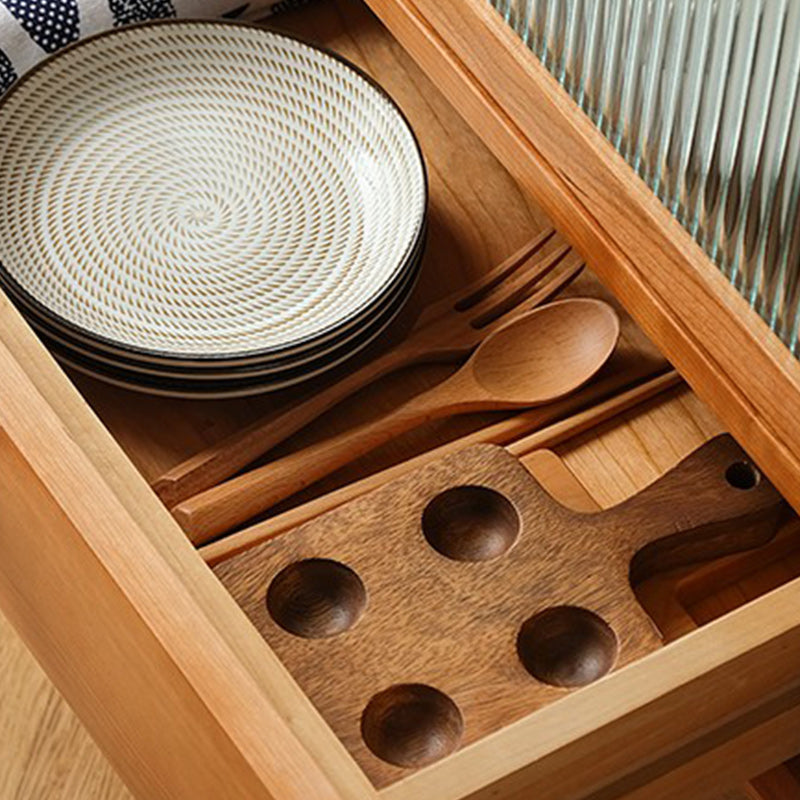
(446, 331)
(601, 401)
(535, 359)
(483, 588)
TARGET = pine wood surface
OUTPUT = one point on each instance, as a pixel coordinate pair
(45, 751)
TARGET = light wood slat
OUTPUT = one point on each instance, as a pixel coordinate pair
(149, 638)
(723, 349)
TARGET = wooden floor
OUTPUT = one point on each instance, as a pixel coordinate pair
(45, 753)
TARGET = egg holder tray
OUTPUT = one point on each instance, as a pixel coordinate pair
(456, 600)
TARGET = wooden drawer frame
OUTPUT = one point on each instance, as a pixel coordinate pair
(183, 694)
(700, 322)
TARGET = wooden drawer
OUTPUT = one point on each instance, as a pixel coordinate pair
(179, 688)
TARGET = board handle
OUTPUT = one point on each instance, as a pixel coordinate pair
(713, 503)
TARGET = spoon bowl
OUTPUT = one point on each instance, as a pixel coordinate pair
(545, 354)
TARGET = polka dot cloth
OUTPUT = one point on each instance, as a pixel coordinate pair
(7, 72)
(52, 24)
(30, 29)
(128, 11)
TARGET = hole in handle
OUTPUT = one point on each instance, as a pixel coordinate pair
(742, 475)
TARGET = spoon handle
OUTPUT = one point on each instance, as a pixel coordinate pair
(239, 499)
(224, 459)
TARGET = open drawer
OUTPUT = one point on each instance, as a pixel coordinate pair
(178, 686)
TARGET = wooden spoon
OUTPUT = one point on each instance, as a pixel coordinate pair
(536, 359)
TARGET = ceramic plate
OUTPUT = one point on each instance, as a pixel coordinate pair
(216, 387)
(287, 360)
(205, 191)
(269, 379)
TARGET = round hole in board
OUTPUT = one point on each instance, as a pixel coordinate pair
(316, 598)
(567, 646)
(411, 725)
(471, 523)
(742, 475)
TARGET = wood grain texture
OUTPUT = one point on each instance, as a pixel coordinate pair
(451, 625)
(45, 752)
(702, 324)
(55, 774)
(600, 408)
(108, 644)
(721, 586)
(536, 359)
(658, 597)
(469, 235)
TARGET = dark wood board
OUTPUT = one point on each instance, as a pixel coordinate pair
(426, 619)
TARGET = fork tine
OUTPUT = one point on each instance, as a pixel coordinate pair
(574, 266)
(518, 288)
(477, 290)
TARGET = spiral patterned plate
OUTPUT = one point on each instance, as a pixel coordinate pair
(268, 378)
(205, 191)
(217, 388)
(333, 349)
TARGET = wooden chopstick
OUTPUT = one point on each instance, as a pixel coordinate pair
(503, 433)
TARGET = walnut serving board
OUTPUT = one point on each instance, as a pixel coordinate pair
(454, 601)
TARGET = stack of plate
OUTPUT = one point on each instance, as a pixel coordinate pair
(206, 209)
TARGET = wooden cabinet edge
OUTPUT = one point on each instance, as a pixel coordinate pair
(460, 44)
(312, 751)
(77, 521)
(722, 348)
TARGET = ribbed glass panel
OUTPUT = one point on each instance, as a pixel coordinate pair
(701, 99)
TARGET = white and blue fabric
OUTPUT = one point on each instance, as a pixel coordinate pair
(32, 29)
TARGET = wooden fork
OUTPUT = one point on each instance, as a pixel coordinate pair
(446, 331)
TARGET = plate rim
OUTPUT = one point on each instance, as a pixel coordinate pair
(272, 365)
(311, 366)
